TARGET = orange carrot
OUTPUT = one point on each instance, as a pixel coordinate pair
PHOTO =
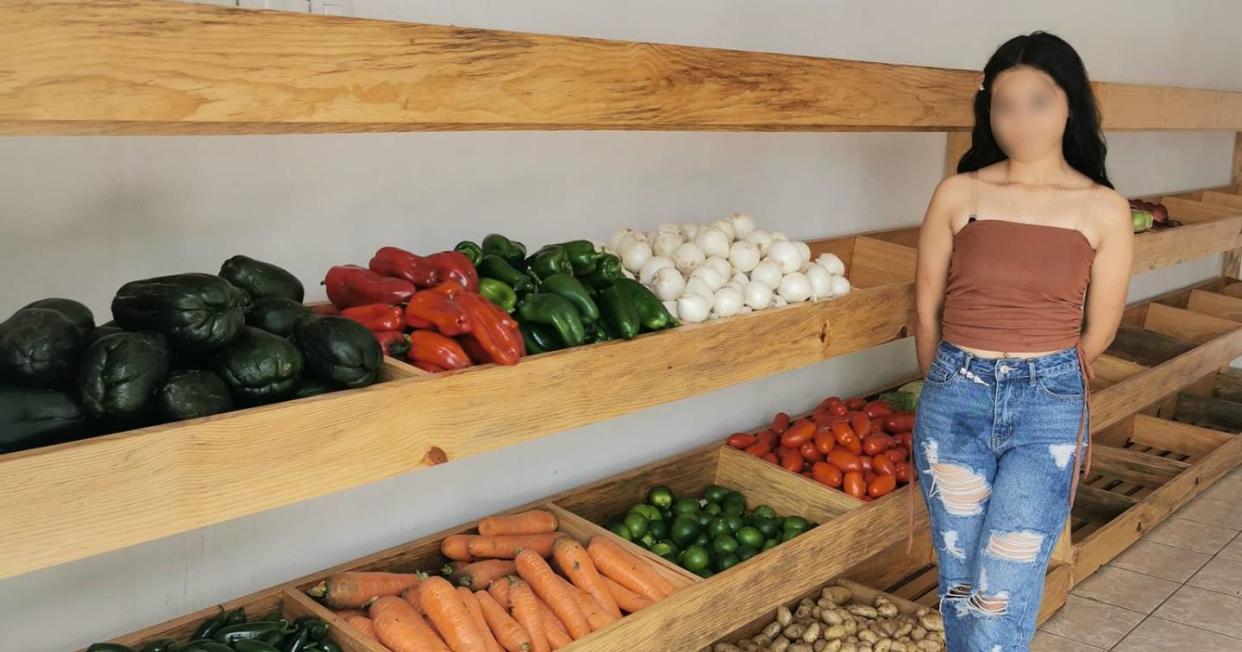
(363, 625)
(532, 522)
(525, 609)
(627, 570)
(445, 609)
(412, 595)
(628, 600)
(553, 628)
(509, 633)
(349, 613)
(596, 617)
(480, 623)
(576, 564)
(481, 574)
(401, 629)
(454, 547)
(500, 591)
(503, 546)
(553, 591)
(354, 589)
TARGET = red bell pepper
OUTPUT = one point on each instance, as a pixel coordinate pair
(434, 309)
(456, 267)
(475, 350)
(394, 343)
(494, 329)
(377, 317)
(433, 348)
(428, 367)
(399, 263)
(351, 285)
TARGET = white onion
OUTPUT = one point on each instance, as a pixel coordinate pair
(722, 266)
(744, 255)
(635, 256)
(779, 235)
(768, 273)
(614, 242)
(666, 242)
(726, 227)
(795, 288)
(728, 302)
(700, 287)
(821, 281)
(671, 307)
(693, 308)
(688, 257)
(653, 265)
(668, 228)
(758, 295)
(779, 302)
(785, 254)
(739, 278)
(708, 274)
(832, 263)
(629, 239)
(804, 250)
(761, 238)
(689, 230)
(840, 285)
(668, 284)
(712, 241)
(743, 225)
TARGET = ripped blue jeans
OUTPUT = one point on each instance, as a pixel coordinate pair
(995, 443)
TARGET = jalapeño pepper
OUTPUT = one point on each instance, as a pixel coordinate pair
(540, 338)
(573, 290)
(620, 313)
(499, 293)
(582, 256)
(511, 251)
(109, 647)
(472, 251)
(329, 646)
(549, 260)
(206, 645)
(258, 630)
(235, 616)
(246, 645)
(210, 626)
(161, 645)
(498, 268)
(651, 312)
(607, 271)
(555, 311)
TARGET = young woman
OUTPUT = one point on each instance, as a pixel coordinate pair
(1007, 252)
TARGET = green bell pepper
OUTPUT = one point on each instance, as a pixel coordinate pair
(573, 290)
(512, 251)
(620, 313)
(473, 251)
(539, 338)
(499, 293)
(555, 311)
(582, 256)
(607, 271)
(549, 260)
(495, 267)
(651, 312)
(598, 332)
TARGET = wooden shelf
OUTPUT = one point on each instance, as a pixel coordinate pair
(158, 67)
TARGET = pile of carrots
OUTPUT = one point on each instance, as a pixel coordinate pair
(502, 591)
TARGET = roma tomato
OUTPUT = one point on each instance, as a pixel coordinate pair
(842, 431)
(798, 434)
(852, 483)
(791, 459)
(810, 453)
(883, 466)
(877, 408)
(780, 423)
(844, 460)
(767, 438)
(876, 444)
(742, 440)
(831, 400)
(824, 440)
(865, 460)
(853, 445)
(771, 457)
(856, 403)
(861, 424)
(899, 422)
(828, 474)
(878, 425)
(903, 472)
(838, 409)
(758, 450)
(897, 453)
(907, 440)
(881, 484)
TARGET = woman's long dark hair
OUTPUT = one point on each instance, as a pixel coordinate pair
(1083, 144)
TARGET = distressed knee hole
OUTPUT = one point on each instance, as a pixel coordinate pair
(957, 596)
(961, 490)
(1015, 546)
(994, 606)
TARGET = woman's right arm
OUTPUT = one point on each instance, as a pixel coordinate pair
(935, 247)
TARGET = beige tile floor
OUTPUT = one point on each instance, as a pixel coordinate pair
(1179, 588)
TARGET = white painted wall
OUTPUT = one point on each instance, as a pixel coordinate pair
(83, 215)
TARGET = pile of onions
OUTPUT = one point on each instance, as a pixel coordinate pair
(728, 267)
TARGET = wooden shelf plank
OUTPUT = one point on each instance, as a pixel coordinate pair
(158, 67)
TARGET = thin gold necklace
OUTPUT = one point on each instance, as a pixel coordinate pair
(1009, 182)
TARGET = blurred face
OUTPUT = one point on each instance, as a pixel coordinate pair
(1028, 113)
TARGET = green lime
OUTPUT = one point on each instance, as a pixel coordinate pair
(666, 549)
(746, 552)
(726, 561)
(636, 523)
(661, 497)
(702, 539)
(648, 512)
(770, 527)
(703, 518)
(733, 522)
(749, 536)
(647, 540)
(714, 509)
(620, 530)
(715, 493)
(796, 523)
(748, 518)
(765, 511)
(686, 506)
(724, 544)
(770, 544)
(789, 535)
(684, 530)
(718, 527)
(658, 529)
(734, 503)
(696, 558)
(667, 514)
(704, 572)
